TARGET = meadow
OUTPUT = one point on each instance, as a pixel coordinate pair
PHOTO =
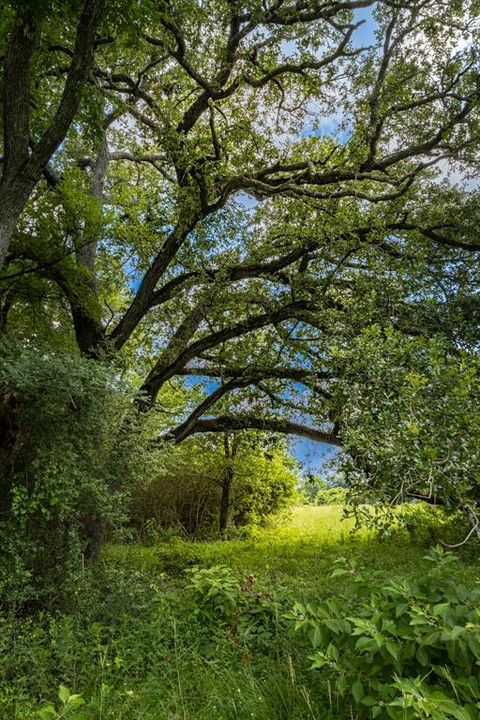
(200, 630)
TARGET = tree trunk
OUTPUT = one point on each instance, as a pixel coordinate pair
(22, 170)
(12, 201)
(230, 450)
(225, 500)
(11, 440)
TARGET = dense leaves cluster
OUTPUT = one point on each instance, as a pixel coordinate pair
(409, 650)
(67, 463)
(411, 428)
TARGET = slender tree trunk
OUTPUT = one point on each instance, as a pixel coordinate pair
(225, 500)
(96, 534)
(230, 450)
(87, 251)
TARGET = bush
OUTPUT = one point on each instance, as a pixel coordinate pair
(221, 599)
(331, 496)
(67, 461)
(185, 493)
(409, 650)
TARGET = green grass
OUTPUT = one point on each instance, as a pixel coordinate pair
(296, 554)
(131, 643)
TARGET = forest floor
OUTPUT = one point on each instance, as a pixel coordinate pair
(148, 638)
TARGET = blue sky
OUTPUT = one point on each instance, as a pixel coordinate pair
(364, 35)
(313, 456)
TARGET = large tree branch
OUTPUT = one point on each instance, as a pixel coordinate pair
(253, 373)
(300, 68)
(242, 271)
(242, 379)
(74, 84)
(227, 423)
(148, 297)
(160, 373)
(432, 234)
(23, 171)
(142, 301)
(304, 12)
(183, 430)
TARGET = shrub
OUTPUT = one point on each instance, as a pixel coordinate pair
(331, 496)
(69, 703)
(67, 465)
(185, 493)
(222, 600)
(409, 650)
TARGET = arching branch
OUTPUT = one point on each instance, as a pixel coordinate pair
(226, 423)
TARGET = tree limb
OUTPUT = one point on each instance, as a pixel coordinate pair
(226, 423)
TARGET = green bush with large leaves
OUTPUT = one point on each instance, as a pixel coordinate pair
(408, 649)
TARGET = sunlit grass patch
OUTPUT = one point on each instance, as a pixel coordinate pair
(295, 554)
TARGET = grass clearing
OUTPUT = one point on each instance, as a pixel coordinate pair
(296, 554)
(135, 647)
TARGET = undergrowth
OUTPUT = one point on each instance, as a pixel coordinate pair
(197, 631)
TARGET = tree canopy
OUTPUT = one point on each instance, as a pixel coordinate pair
(236, 200)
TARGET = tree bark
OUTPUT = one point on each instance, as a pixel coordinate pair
(225, 501)
(22, 170)
(11, 440)
(243, 421)
(87, 252)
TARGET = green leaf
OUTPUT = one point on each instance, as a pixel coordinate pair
(357, 690)
(64, 694)
(47, 713)
(75, 701)
(393, 650)
(338, 572)
(400, 609)
(364, 643)
(422, 656)
(369, 701)
(315, 637)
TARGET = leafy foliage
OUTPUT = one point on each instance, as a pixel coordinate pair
(411, 423)
(184, 494)
(331, 496)
(220, 599)
(129, 640)
(70, 702)
(409, 649)
(69, 462)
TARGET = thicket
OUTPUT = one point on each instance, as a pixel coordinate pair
(78, 465)
(68, 462)
(185, 494)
